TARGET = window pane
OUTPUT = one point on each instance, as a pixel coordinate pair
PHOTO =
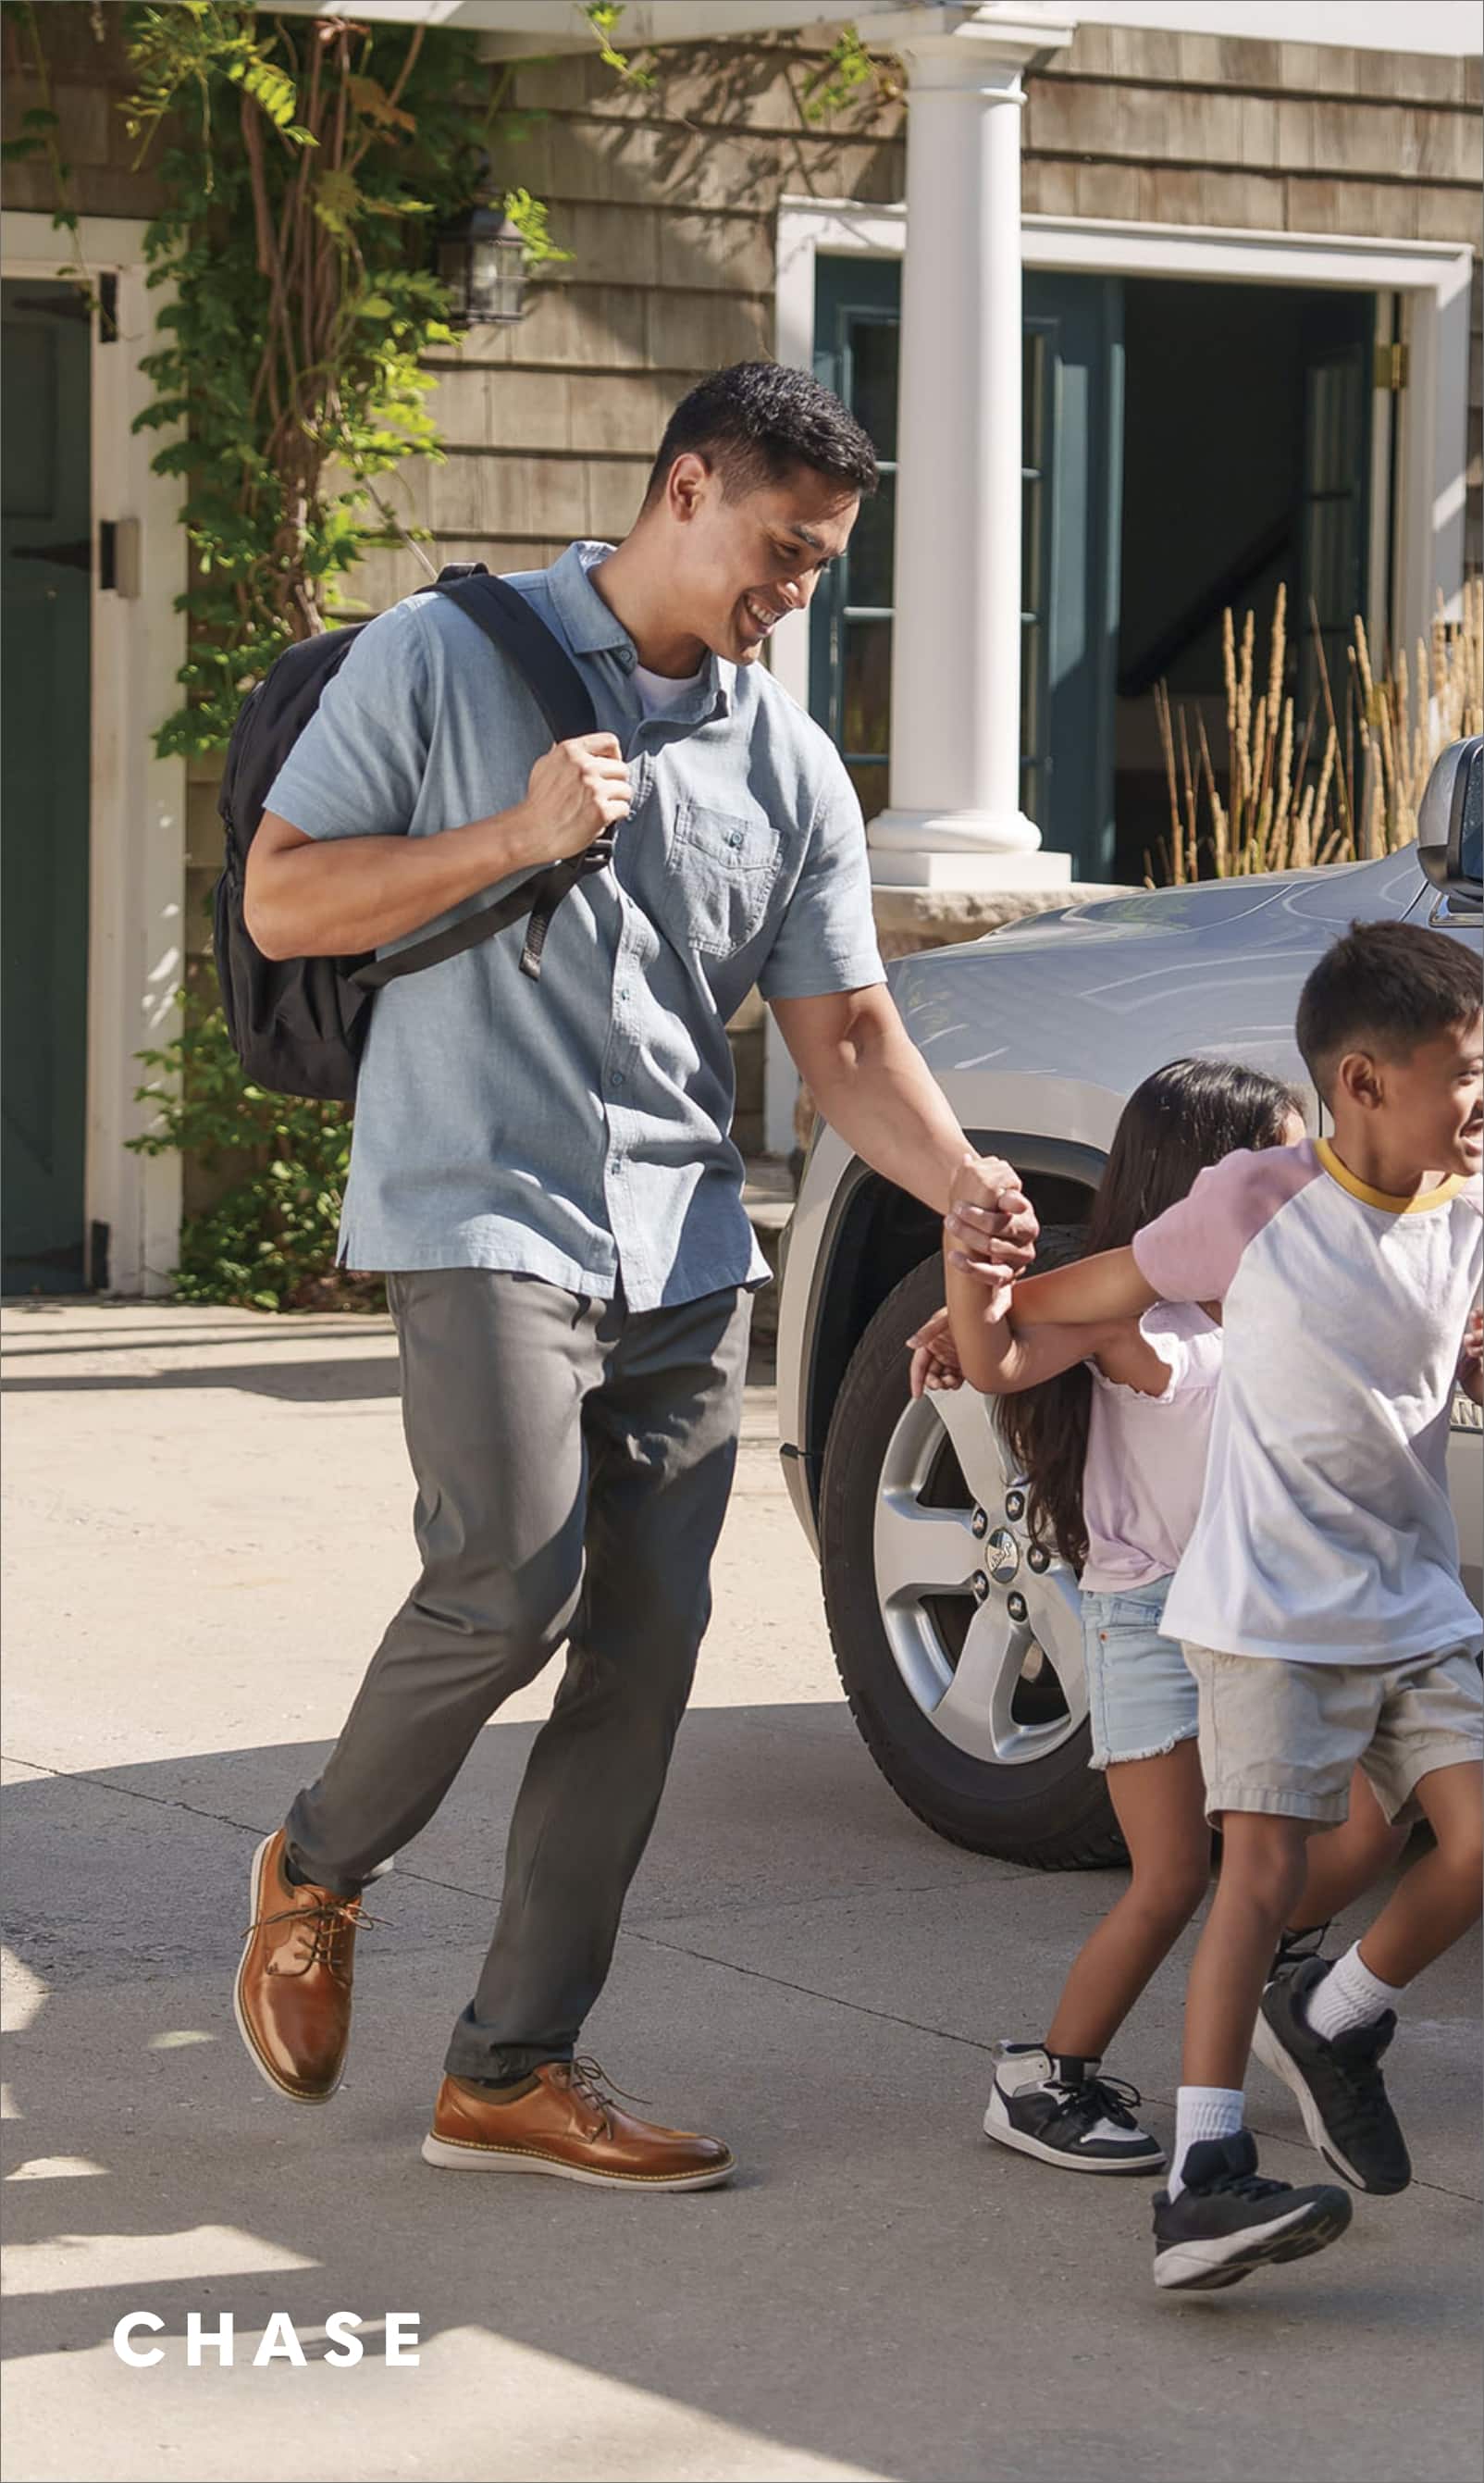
(1032, 782)
(1032, 579)
(868, 569)
(867, 719)
(873, 354)
(1335, 424)
(1032, 396)
(870, 781)
(1030, 691)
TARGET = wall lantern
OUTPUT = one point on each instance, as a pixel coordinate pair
(481, 258)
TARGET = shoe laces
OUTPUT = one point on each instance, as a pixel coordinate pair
(1298, 1948)
(330, 1924)
(1238, 2185)
(590, 2080)
(1097, 2099)
(1355, 2060)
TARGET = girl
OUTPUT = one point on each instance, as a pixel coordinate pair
(1110, 1425)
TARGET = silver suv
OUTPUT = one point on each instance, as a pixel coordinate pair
(958, 1642)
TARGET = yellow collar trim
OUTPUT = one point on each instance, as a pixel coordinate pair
(1417, 1205)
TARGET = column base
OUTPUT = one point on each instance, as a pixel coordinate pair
(965, 867)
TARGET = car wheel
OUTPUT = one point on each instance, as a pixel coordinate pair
(958, 1643)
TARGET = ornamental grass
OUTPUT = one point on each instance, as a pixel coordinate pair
(1345, 788)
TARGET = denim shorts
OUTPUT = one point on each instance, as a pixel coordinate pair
(1141, 1694)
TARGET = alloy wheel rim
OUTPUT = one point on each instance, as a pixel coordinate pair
(1013, 1688)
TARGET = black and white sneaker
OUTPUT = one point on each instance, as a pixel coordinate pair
(1228, 2219)
(1337, 2082)
(1061, 2111)
(1296, 1948)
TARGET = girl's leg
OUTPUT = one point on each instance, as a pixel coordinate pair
(1342, 1862)
(1159, 1804)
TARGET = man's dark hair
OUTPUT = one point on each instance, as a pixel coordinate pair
(755, 422)
(1384, 988)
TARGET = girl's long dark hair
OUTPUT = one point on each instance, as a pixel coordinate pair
(1184, 1117)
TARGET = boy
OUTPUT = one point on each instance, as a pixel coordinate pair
(1319, 1603)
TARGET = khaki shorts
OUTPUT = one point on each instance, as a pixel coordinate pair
(1285, 1737)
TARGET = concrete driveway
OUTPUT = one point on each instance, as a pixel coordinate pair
(208, 1526)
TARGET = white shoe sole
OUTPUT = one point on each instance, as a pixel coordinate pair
(254, 1908)
(1007, 2135)
(1273, 2056)
(1206, 2266)
(453, 2155)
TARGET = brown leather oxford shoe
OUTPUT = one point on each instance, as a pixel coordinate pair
(564, 2123)
(293, 1991)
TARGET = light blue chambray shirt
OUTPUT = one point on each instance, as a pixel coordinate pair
(576, 1129)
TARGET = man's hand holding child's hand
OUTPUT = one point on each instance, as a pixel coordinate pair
(990, 1231)
(991, 1227)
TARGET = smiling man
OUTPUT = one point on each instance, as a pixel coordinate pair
(544, 1171)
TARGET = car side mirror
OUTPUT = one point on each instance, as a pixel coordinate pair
(1450, 819)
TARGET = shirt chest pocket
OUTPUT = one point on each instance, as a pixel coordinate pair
(722, 869)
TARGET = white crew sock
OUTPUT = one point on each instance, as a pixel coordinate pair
(1349, 1995)
(1201, 2112)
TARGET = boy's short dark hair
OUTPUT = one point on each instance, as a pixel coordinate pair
(756, 421)
(1384, 988)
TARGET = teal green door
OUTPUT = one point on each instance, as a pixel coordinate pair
(1338, 356)
(858, 313)
(1071, 379)
(46, 573)
(1071, 474)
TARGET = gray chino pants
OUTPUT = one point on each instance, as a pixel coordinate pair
(574, 1461)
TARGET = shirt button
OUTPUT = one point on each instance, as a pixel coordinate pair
(735, 837)
(625, 992)
(617, 1079)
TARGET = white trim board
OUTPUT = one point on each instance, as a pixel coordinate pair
(137, 801)
(1449, 27)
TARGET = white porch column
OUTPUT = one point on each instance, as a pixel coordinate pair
(955, 819)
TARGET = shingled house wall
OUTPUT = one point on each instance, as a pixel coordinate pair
(668, 200)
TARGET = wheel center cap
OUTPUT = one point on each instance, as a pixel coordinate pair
(1001, 1556)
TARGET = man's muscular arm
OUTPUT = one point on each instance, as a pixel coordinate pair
(307, 897)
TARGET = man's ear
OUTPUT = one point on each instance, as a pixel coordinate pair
(1359, 1078)
(685, 486)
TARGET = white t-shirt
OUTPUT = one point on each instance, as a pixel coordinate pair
(1325, 1533)
(1146, 1455)
(657, 691)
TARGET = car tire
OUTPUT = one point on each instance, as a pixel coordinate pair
(1043, 1805)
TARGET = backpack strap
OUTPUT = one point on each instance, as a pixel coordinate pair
(559, 690)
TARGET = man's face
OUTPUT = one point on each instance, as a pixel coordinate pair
(1436, 1094)
(742, 564)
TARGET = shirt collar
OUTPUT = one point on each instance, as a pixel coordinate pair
(1417, 1204)
(593, 628)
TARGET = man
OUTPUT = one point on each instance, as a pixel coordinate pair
(544, 1168)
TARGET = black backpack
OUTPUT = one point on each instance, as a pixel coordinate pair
(298, 1024)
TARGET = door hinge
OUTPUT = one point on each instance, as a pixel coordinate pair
(1392, 367)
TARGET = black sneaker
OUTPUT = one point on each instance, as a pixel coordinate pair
(1296, 1948)
(1228, 2219)
(1060, 2110)
(1337, 2083)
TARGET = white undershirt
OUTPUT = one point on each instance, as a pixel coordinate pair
(658, 692)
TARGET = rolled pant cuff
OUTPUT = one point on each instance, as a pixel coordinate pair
(339, 1883)
(1319, 1810)
(468, 2057)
